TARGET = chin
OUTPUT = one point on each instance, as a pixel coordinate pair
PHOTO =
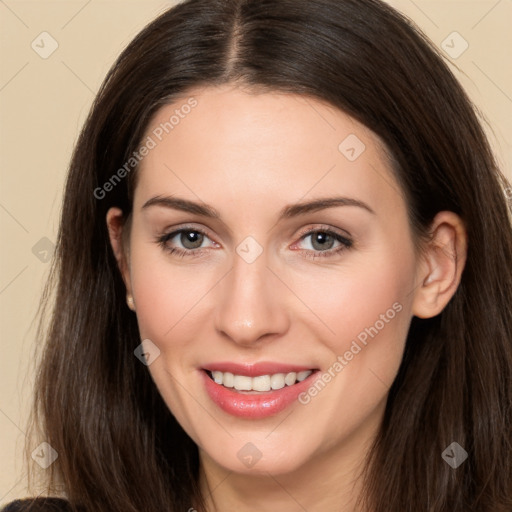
(255, 455)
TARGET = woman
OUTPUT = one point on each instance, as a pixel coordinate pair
(282, 275)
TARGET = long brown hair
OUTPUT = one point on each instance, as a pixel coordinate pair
(120, 449)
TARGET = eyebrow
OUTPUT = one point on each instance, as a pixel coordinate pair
(289, 211)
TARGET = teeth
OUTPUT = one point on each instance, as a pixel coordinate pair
(303, 375)
(290, 378)
(243, 383)
(228, 380)
(277, 381)
(261, 382)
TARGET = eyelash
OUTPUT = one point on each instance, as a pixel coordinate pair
(346, 243)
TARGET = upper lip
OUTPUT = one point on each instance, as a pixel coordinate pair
(255, 369)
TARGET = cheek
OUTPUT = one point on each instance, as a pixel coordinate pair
(165, 293)
(368, 311)
(365, 312)
(166, 304)
(362, 292)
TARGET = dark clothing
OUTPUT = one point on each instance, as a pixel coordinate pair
(37, 505)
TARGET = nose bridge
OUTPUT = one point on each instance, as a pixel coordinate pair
(250, 305)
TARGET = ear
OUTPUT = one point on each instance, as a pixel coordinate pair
(117, 226)
(443, 261)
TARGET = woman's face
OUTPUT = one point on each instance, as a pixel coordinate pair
(265, 285)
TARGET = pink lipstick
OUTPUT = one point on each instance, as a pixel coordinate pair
(258, 390)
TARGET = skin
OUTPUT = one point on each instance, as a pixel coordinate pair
(249, 155)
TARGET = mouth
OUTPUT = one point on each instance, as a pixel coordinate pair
(258, 384)
(256, 391)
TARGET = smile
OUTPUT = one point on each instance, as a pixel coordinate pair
(260, 383)
(255, 391)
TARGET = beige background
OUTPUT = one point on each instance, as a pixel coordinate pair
(43, 103)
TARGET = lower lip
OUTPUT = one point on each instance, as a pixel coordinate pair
(255, 406)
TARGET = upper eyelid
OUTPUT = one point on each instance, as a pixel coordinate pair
(324, 228)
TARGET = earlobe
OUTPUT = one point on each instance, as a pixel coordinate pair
(116, 224)
(442, 264)
(129, 301)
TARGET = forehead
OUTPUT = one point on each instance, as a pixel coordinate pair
(226, 143)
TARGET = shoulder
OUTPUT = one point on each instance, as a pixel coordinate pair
(37, 505)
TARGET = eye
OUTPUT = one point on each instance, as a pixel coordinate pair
(322, 241)
(191, 241)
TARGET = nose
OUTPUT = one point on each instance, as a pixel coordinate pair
(251, 307)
